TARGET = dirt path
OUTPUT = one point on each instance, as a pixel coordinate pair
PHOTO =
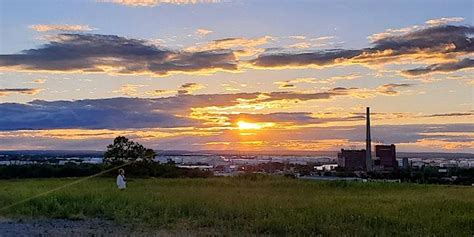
(62, 227)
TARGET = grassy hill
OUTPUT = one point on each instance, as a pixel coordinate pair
(252, 205)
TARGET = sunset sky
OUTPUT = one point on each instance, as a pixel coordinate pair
(236, 74)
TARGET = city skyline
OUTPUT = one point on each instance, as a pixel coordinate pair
(236, 75)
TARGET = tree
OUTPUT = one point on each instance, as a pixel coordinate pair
(124, 150)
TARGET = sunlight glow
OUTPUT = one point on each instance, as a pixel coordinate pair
(242, 125)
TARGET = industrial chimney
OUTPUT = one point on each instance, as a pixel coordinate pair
(368, 144)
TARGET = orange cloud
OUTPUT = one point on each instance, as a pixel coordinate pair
(203, 32)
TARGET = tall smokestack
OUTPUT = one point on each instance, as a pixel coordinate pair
(368, 143)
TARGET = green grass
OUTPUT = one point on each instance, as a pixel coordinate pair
(268, 205)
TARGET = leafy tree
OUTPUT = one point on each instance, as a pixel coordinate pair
(123, 150)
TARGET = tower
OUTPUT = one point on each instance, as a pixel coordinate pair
(368, 143)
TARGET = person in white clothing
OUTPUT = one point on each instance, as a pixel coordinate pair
(121, 180)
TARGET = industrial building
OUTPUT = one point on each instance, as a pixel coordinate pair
(361, 160)
(387, 157)
(352, 160)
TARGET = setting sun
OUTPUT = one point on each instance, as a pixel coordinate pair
(242, 125)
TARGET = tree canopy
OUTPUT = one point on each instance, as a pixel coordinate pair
(124, 150)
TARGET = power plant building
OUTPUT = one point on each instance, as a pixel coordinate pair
(352, 160)
(387, 157)
(361, 160)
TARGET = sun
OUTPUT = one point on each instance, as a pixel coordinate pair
(243, 125)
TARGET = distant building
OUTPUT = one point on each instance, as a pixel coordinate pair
(352, 160)
(387, 156)
(405, 163)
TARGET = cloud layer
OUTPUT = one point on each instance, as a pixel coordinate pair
(114, 54)
(438, 43)
(422, 137)
(182, 110)
(210, 121)
(441, 67)
(446, 47)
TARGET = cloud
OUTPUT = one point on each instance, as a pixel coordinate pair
(181, 110)
(129, 89)
(410, 133)
(436, 38)
(420, 44)
(444, 20)
(441, 68)
(189, 88)
(415, 137)
(310, 80)
(92, 114)
(304, 43)
(115, 113)
(316, 58)
(297, 118)
(389, 89)
(152, 3)
(291, 83)
(203, 32)
(159, 92)
(228, 43)
(241, 47)
(297, 37)
(25, 91)
(460, 114)
(184, 89)
(283, 85)
(323, 38)
(114, 54)
(301, 45)
(39, 81)
(444, 48)
(66, 27)
(233, 86)
(393, 32)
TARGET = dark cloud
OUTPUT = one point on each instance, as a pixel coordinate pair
(319, 58)
(286, 86)
(117, 113)
(440, 39)
(188, 88)
(441, 67)
(26, 91)
(430, 38)
(451, 114)
(166, 112)
(104, 53)
(93, 114)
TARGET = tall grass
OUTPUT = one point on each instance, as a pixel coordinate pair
(268, 205)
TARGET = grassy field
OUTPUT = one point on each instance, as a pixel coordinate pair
(268, 205)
